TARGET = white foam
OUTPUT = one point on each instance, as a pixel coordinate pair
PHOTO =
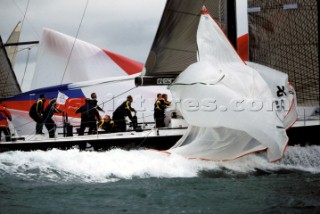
(110, 166)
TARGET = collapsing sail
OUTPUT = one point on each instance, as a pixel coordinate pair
(227, 104)
(233, 114)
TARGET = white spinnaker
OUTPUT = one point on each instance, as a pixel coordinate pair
(65, 59)
(226, 103)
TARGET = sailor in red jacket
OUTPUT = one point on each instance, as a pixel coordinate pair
(4, 126)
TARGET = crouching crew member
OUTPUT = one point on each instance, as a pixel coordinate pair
(47, 117)
(121, 112)
(165, 100)
(4, 126)
(89, 117)
(106, 124)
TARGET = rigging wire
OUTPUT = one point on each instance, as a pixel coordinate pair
(75, 86)
(75, 39)
(25, 18)
(27, 62)
(24, 15)
(25, 70)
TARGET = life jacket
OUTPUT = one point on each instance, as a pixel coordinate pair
(37, 108)
(159, 106)
(107, 125)
(124, 109)
(4, 115)
(49, 111)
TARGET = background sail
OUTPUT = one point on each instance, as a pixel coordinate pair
(13, 38)
(284, 36)
(9, 85)
(175, 47)
(63, 59)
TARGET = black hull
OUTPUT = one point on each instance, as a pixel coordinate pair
(303, 136)
(151, 142)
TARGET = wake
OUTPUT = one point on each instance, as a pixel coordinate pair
(103, 167)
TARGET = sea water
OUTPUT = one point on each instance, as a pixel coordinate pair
(146, 181)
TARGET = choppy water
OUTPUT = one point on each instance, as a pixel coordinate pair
(120, 181)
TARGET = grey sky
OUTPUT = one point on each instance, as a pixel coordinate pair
(126, 27)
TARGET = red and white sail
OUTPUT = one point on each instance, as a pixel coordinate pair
(64, 59)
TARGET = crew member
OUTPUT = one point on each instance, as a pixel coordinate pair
(95, 102)
(4, 126)
(89, 117)
(47, 117)
(121, 112)
(36, 113)
(159, 111)
(106, 124)
(165, 100)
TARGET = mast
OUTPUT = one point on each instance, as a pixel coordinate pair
(231, 23)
